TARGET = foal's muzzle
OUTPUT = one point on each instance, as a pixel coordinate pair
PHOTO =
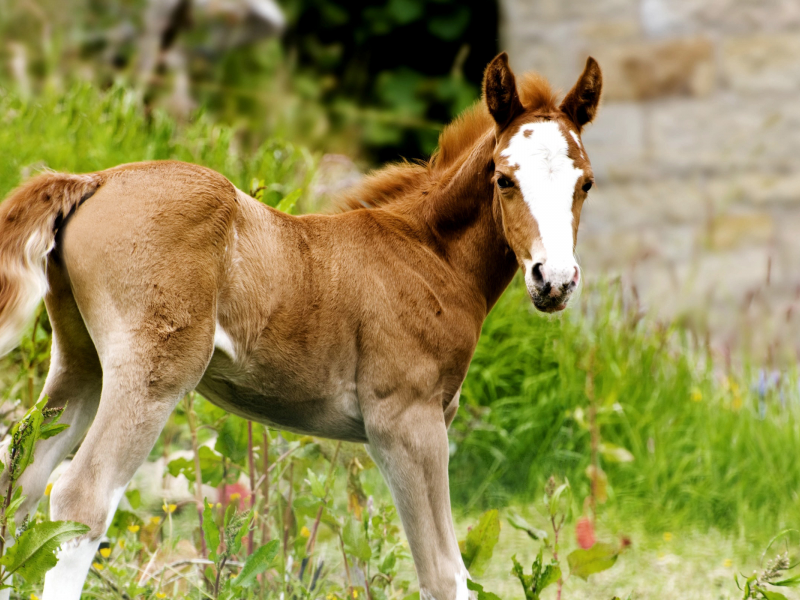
(550, 289)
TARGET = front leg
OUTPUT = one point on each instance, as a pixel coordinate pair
(409, 444)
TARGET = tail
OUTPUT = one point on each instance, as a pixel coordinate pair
(29, 220)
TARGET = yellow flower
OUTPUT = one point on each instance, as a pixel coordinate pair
(47, 491)
(161, 595)
(210, 505)
(667, 536)
(122, 543)
(34, 597)
(728, 563)
(219, 504)
(105, 552)
(697, 395)
(305, 532)
(235, 497)
(155, 520)
(97, 566)
(169, 508)
(355, 593)
(133, 528)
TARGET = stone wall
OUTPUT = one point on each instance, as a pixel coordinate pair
(696, 149)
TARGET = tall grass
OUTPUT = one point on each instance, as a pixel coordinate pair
(708, 449)
(83, 130)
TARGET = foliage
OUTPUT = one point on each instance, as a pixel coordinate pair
(30, 547)
(692, 426)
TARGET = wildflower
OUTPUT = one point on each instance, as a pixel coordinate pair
(728, 563)
(155, 520)
(210, 505)
(47, 491)
(122, 544)
(584, 532)
(133, 528)
(697, 395)
(169, 508)
(34, 597)
(305, 532)
(98, 566)
(161, 595)
(667, 536)
(355, 593)
(235, 497)
(105, 552)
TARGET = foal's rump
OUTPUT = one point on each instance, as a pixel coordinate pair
(144, 247)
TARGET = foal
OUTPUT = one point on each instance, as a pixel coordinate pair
(162, 277)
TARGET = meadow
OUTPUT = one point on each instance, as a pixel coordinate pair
(602, 422)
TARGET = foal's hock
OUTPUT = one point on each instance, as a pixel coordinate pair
(162, 277)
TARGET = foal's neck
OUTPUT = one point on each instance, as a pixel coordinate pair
(459, 214)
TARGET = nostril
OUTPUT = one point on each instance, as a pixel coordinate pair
(536, 272)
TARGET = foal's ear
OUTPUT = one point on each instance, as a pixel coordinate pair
(580, 104)
(500, 91)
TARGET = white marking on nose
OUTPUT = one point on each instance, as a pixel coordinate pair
(547, 178)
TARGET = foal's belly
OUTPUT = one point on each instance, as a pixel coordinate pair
(279, 402)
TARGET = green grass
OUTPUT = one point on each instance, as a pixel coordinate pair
(707, 451)
(84, 130)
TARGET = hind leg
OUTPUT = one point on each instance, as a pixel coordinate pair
(73, 381)
(141, 386)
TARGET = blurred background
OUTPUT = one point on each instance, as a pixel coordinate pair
(668, 394)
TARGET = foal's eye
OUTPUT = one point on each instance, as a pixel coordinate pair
(587, 186)
(504, 183)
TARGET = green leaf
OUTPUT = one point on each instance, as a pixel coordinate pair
(211, 468)
(33, 554)
(770, 595)
(452, 26)
(517, 522)
(317, 485)
(482, 595)
(287, 204)
(258, 562)
(555, 500)
(232, 439)
(355, 540)
(791, 582)
(550, 575)
(478, 548)
(51, 429)
(210, 531)
(405, 11)
(134, 498)
(16, 501)
(599, 557)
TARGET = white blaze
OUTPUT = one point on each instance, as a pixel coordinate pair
(547, 178)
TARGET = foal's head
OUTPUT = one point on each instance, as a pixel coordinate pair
(542, 175)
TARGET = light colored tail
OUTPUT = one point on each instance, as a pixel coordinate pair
(29, 220)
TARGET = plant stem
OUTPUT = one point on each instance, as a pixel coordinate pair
(313, 537)
(198, 473)
(251, 469)
(265, 486)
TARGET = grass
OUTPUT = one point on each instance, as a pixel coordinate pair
(708, 450)
(713, 457)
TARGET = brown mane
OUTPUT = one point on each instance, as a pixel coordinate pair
(396, 180)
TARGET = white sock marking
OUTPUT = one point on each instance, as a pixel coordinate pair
(65, 580)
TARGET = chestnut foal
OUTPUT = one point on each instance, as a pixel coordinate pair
(162, 277)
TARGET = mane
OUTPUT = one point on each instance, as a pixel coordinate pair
(396, 180)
